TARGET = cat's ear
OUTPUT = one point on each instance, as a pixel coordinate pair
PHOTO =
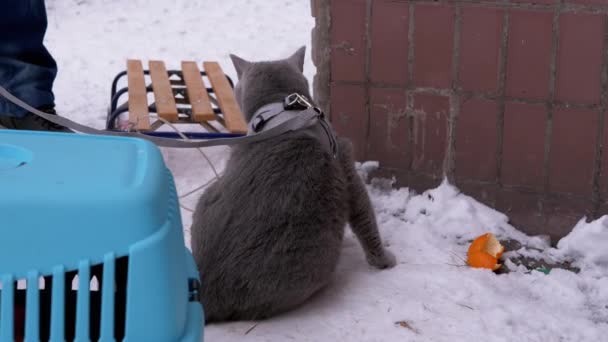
(297, 59)
(239, 64)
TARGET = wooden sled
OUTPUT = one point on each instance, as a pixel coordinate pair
(186, 96)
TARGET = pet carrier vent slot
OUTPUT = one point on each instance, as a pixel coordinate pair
(106, 313)
(120, 308)
(66, 306)
(46, 288)
(25, 303)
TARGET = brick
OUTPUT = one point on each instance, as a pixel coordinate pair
(389, 129)
(421, 182)
(523, 209)
(543, 2)
(477, 140)
(604, 170)
(348, 40)
(414, 181)
(430, 127)
(587, 2)
(524, 145)
(602, 211)
(573, 147)
(563, 213)
(579, 58)
(529, 54)
(388, 175)
(480, 41)
(434, 41)
(484, 193)
(389, 42)
(348, 115)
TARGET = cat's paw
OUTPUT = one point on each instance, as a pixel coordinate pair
(386, 260)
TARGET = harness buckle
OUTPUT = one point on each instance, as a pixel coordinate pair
(296, 101)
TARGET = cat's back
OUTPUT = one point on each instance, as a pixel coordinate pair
(288, 173)
(285, 190)
(281, 204)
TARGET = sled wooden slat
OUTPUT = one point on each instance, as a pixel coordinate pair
(197, 93)
(138, 100)
(163, 95)
(225, 96)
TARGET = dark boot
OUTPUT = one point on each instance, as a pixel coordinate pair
(33, 122)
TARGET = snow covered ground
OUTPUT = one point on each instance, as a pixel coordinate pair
(430, 295)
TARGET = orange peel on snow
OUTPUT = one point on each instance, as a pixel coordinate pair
(484, 252)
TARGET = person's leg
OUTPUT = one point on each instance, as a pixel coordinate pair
(27, 69)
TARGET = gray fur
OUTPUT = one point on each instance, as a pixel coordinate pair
(267, 235)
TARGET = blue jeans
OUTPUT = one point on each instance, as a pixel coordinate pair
(27, 69)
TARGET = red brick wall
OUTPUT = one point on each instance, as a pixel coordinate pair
(505, 98)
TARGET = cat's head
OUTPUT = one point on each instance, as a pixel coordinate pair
(261, 83)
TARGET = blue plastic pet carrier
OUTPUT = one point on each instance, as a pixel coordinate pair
(91, 242)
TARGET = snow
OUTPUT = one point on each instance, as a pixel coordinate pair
(587, 244)
(433, 295)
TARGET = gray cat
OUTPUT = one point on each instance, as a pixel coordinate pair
(267, 234)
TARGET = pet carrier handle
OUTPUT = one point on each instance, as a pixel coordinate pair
(305, 119)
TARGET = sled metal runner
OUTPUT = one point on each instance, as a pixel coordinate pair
(186, 96)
